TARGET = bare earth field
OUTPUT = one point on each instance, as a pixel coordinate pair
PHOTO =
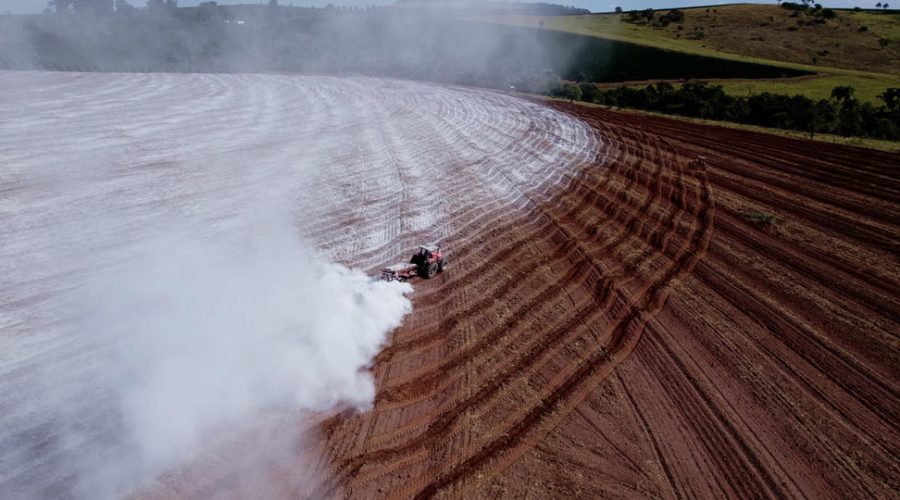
(612, 323)
(631, 333)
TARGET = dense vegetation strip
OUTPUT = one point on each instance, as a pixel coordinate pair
(842, 114)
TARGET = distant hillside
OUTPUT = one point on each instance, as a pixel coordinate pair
(856, 48)
(857, 40)
(850, 39)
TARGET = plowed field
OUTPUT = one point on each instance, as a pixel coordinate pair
(629, 331)
(612, 323)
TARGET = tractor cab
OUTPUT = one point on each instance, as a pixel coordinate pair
(429, 260)
(429, 250)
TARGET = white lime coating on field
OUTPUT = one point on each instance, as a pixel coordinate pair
(160, 180)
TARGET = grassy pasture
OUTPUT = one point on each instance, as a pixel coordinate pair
(838, 51)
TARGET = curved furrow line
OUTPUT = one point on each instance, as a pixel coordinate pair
(562, 331)
(203, 152)
(767, 405)
(432, 378)
(486, 260)
(600, 310)
(527, 279)
(622, 269)
(505, 252)
(468, 180)
(423, 380)
(487, 218)
(624, 334)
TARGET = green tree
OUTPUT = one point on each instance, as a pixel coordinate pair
(891, 98)
(588, 91)
(850, 118)
(843, 93)
(673, 16)
(572, 92)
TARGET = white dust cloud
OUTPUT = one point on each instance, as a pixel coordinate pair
(202, 335)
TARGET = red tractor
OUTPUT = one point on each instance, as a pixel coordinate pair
(427, 261)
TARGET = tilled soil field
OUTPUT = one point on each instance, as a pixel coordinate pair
(771, 370)
(615, 322)
(632, 331)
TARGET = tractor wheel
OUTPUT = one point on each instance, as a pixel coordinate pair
(430, 269)
(442, 264)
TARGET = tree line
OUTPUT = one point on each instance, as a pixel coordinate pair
(842, 114)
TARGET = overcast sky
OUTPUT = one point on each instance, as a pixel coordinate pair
(35, 6)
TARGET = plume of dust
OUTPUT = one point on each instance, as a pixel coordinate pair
(202, 336)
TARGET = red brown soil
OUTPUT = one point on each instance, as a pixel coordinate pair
(634, 334)
(627, 331)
